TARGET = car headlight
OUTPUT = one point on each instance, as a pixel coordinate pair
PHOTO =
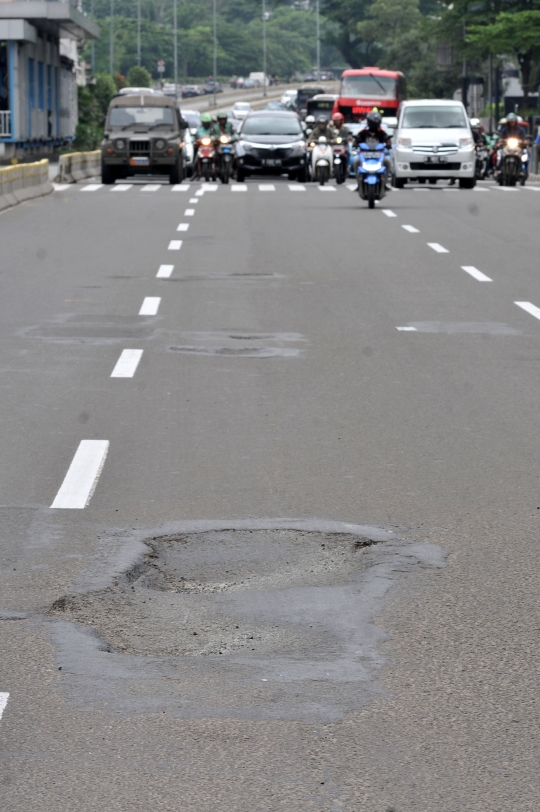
(246, 145)
(404, 142)
(466, 142)
(160, 144)
(120, 144)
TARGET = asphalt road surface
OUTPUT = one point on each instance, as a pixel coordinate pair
(270, 500)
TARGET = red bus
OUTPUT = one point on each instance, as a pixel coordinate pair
(362, 90)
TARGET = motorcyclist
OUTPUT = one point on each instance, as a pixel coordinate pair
(373, 131)
(322, 128)
(206, 126)
(512, 128)
(310, 124)
(222, 126)
(341, 130)
(478, 133)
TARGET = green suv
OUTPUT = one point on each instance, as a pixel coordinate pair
(143, 134)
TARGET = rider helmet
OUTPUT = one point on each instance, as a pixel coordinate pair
(206, 119)
(322, 121)
(338, 118)
(475, 123)
(512, 119)
(374, 120)
(222, 116)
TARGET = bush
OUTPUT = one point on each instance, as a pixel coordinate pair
(139, 77)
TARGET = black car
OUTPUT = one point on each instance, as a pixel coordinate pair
(271, 143)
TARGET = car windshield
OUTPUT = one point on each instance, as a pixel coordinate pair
(146, 116)
(192, 117)
(368, 86)
(436, 117)
(266, 125)
(242, 106)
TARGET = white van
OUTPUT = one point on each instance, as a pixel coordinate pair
(433, 140)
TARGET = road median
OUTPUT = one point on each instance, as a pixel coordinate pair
(75, 166)
(23, 182)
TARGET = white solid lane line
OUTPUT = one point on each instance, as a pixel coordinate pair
(189, 212)
(532, 188)
(150, 306)
(411, 229)
(127, 364)
(151, 187)
(122, 187)
(267, 187)
(530, 308)
(407, 329)
(474, 272)
(297, 187)
(438, 248)
(82, 476)
(175, 245)
(183, 227)
(239, 187)
(389, 212)
(164, 271)
(3, 702)
(92, 187)
(178, 188)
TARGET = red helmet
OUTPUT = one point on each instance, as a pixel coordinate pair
(338, 117)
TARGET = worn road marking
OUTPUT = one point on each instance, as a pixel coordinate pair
(297, 187)
(3, 702)
(179, 188)
(407, 329)
(389, 212)
(151, 187)
(411, 229)
(150, 306)
(474, 272)
(183, 227)
(127, 364)
(532, 188)
(530, 308)
(164, 271)
(438, 248)
(239, 187)
(175, 245)
(122, 187)
(92, 187)
(267, 187)
(82, 476)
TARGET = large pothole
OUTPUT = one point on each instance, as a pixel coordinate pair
(214, 615)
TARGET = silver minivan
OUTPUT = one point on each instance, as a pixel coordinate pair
(433, 140)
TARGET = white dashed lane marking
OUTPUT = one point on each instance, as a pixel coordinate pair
(164, 271)
(193, 199)
(82, 476)
(175, 245)
(92, 187)
(389, 212)
(122, 187)
(411, 229)
(59, 187)
(150, 306)
(297, 187)
(326, 188)
(267, 187)
(183, 227)
(438, 248)
(179, 188)
(189, 212)
(239, 187)
(407, 329)
(151, 187)
(127, 364)
(475, 273)
(529, 308)
(209, 187)
(3, 702)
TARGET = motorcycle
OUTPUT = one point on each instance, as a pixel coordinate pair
(341, 160)
(206, 158)
(482, 161)
(512, 163)
(371, 171)
(224, 150)
(321, 160)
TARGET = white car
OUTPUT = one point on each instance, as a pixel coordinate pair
(433, 140)
(289, 98)
(241, 109)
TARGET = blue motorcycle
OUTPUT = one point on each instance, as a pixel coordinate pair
(371, 173)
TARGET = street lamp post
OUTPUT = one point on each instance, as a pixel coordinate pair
(215, 51)
(93, 47)
(111, 43)
(318, 26)
(139, 33)
(175, 23)
(264, 45)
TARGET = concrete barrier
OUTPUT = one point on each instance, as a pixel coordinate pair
(78, 165)
(23, 181)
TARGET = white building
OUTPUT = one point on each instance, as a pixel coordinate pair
(38, 63)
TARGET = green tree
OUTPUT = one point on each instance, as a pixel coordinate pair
(139, 77)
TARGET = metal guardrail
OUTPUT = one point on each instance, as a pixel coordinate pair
(5, 123)
(23, 181)
(76, 166)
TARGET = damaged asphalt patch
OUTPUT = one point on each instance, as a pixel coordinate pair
(253, 619)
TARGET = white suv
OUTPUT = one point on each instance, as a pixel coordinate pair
(433, 140)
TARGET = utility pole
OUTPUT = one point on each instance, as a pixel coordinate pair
(175, 23)
(317, 14)
(139, 33)
(93, 47)
(490, 91)
(464, 77)
(264, 45)
(215, 52)
(111, 42)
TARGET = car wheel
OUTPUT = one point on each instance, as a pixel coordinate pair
(176, 175)
(398, 183)
(108, 174)
(467, 183)
(240, 175)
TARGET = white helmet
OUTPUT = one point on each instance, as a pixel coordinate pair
(310, 119)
